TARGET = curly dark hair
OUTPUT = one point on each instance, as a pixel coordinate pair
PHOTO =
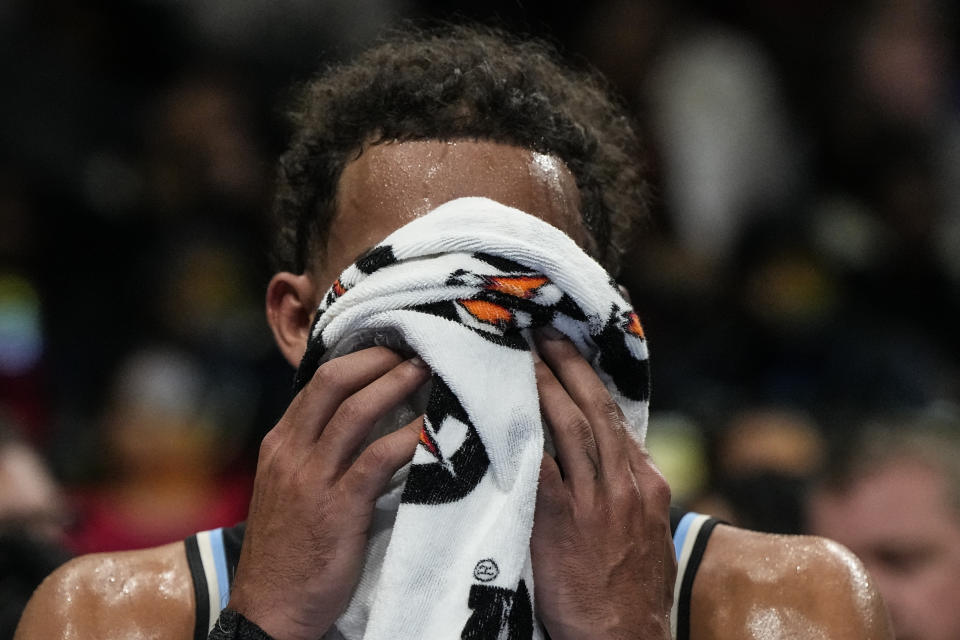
(459, 82)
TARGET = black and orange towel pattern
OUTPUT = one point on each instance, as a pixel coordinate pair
(490, 312)
(507, 296)
(463, 286)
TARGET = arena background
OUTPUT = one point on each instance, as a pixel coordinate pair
(800, 275)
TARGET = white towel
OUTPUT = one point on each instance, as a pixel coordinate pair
(462, 287)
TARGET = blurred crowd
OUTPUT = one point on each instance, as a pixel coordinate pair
(799, 278)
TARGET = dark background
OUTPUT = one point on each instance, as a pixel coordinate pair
(803, 255)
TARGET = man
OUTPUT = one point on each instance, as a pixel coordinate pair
(416, 122)
(893, 498)
(32, 519)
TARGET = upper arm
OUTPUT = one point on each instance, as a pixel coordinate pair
(756, 585)
(133, 594)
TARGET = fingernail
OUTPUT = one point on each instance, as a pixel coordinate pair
(551, 333)
(417, 361)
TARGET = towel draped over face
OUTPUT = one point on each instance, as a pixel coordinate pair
(463, 287)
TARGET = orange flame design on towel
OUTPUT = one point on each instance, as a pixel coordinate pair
(634, 326)
(518, 287)
(428, 442)
(488, 312)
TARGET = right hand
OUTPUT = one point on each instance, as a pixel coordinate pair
(601, 546)
(313, 498)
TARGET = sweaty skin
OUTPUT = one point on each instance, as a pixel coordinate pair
(391, 184)
(750, 586)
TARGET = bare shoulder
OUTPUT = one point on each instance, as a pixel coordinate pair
(758, 585)
(133, 594)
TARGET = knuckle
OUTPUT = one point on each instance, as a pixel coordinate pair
(327, 377)
(351, 412)
(374, 458)
(610, 410)
(579, 427)
(269, 446)
(378, 455)
(658, 491)
(580, 433)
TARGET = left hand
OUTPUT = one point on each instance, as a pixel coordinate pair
(602, 551)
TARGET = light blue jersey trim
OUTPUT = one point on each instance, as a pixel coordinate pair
(220, 563)
(682, 529)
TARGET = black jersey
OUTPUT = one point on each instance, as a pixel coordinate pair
(213, 556)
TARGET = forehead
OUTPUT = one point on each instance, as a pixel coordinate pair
(390, 184)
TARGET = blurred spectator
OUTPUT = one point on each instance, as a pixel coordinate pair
(32, 520)
(166, 448)
(892, 495)
(31, 500)
(763, 462)
(203, 156)
(723, 132)
(770, 439)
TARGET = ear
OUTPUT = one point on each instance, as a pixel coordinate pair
(291, 302)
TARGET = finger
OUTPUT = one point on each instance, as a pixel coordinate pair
(654, 492)
(356, 417)
(367, 478)
(590, 395)
(552, 496)
(649, 480)
(331, 384)
(572, 434)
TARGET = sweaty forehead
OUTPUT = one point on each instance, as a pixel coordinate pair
(390, 184)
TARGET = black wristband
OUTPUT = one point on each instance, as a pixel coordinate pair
(231, 625)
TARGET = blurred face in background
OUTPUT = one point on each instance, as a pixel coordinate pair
(901, 521)
(30, 498)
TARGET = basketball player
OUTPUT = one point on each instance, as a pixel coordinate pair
(411, 124)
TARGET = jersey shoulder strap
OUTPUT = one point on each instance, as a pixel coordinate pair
(212, 557)
(691, 532)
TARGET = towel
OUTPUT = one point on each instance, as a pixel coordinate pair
(463, 287)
